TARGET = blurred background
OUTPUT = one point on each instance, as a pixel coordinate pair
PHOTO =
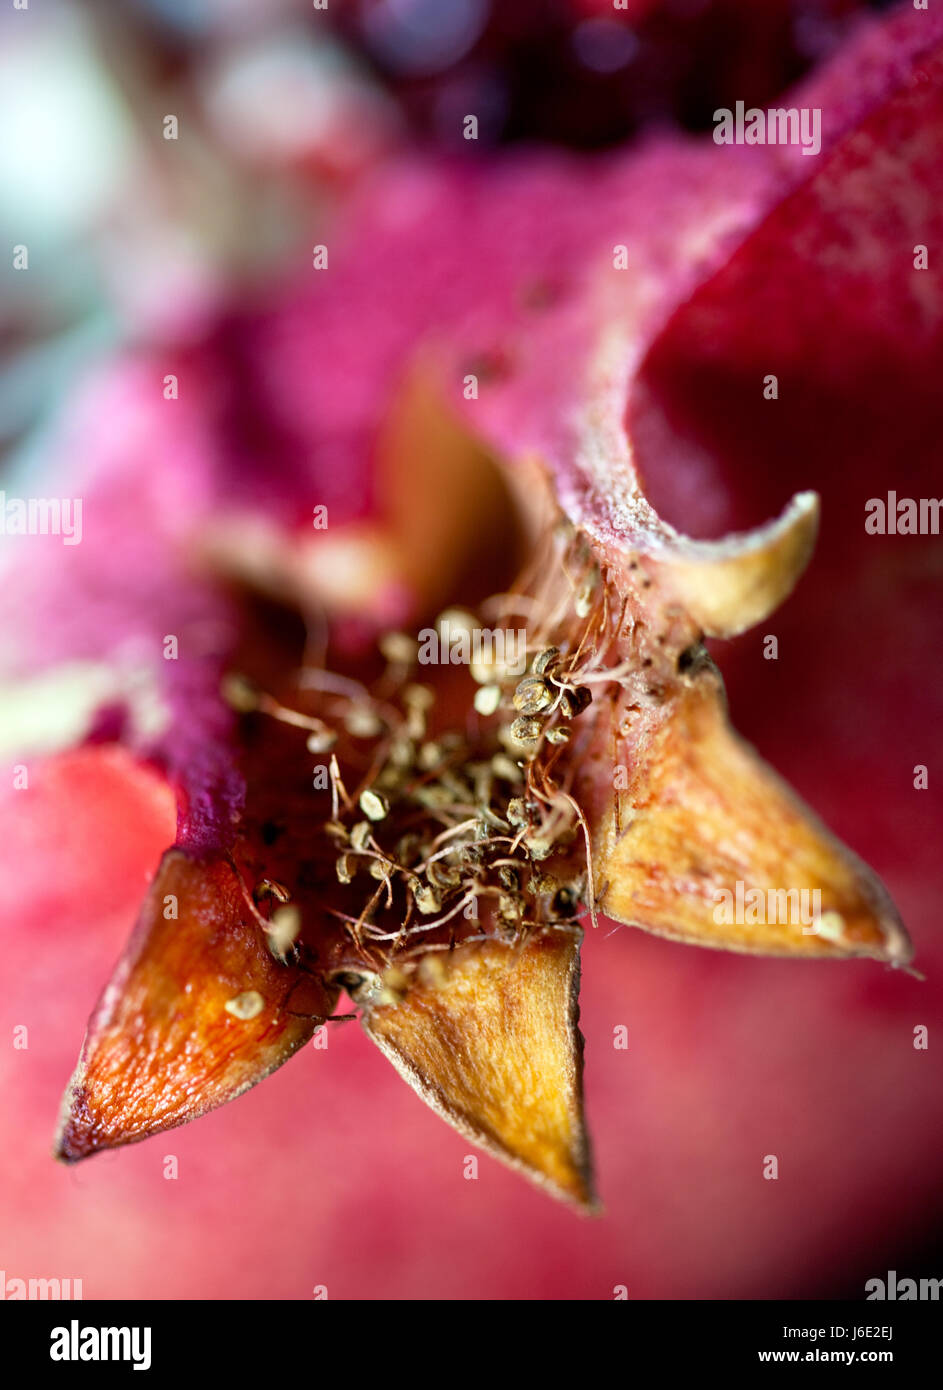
(137, 237)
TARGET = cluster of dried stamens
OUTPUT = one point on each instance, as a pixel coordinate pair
(462, 833)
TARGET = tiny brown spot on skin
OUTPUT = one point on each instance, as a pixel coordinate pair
(490, 367)
(540, 295)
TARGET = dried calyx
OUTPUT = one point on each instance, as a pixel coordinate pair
(452, 830)
(464, 814)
